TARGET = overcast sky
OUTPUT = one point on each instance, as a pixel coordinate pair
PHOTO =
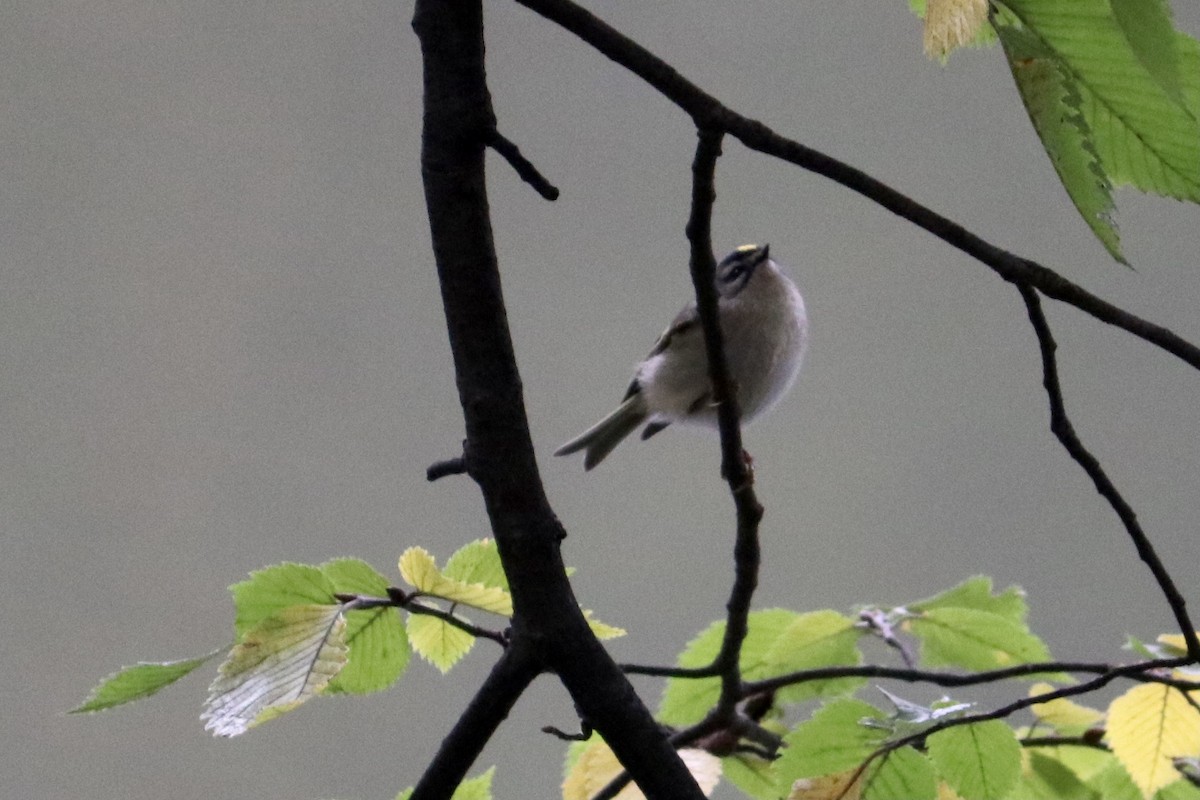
(223, 348)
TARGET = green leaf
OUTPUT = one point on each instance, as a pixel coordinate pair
(1114, 783)
(687, 700)
(1052, 98)
(1147, 28)
(976, 640)
(832, 741)
(1049, 779)
(438, 642)
(903, 774)
(379, 651)
(477, 562)
(754, 776)
(976, 593)
(816, 639)
(352, 576)
(418, 567)
(981, 761)
(285, 660)
(1144, 135)
(271, 590)
(136, 682)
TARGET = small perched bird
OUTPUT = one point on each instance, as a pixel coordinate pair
(765, 329)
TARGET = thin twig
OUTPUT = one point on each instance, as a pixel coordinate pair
(876, 621)
(442, 469)
(1139, 671)
(398, 599)
(521, 165)
(746, 550)
(1061, 425)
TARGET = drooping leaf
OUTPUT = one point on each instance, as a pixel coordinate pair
(477, 562)
(1145, 136)
(268, 591)
(1148, 726)
(687, 700)
(418, 567)
(437, 641)
(1063, 714)
(902, 774)
(832, 741)
(379, 651)
(596, 766)
(979, 761)
(816, 639)
(286, 659)
(137, 682)
(977, 640)
(1055, 106)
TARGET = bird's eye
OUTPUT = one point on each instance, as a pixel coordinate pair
(736, 272)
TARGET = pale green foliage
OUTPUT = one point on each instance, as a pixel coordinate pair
(778, 642)
(477, 562)
(438, 642)
(833, 740)
(981, 761)
(271, 590)
(903, 774)
(379, 650)
(137, 682)
(283, 661)
(969, 627)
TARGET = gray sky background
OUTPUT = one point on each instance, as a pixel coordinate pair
(223, 348)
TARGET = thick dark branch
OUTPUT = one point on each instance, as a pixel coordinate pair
(508, 679)
(1061, 425)
(523, 166)
(710, 113)
(547, 622)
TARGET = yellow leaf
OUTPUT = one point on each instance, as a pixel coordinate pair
(829, 787)
(597, 766)
(1148, 726)
(1063, 713)
(420, 569)
(951, 24)
(1175, 642)
(946, 793)
(603, 630)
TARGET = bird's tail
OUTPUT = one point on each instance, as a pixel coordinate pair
(600, 439)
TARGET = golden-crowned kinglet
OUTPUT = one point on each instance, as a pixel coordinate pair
(766, 331)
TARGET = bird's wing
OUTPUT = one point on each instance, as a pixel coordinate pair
(687, 319)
